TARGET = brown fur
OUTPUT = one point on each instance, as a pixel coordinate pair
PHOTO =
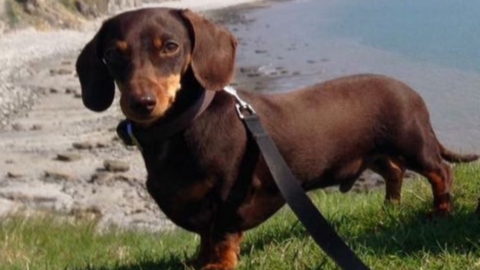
(210, 178)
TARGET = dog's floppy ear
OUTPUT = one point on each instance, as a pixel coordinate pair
(98, 87)
(213, 56)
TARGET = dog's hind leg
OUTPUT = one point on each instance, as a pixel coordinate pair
(441, 179)
(393, 173)
(422, 154)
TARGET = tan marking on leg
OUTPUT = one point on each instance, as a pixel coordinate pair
(394, 183)
(394, 165)
(441, 192)
(225, 253)
(392, 173)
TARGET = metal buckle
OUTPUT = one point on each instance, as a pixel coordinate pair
(132, 137)
(244, 108)
(240, 105)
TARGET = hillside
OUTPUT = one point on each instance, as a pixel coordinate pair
(47, 14)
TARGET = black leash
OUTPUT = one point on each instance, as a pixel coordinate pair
(324, 235)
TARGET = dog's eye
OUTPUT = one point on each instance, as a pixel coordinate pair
(170, 47)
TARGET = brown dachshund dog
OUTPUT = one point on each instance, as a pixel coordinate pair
(204, 171)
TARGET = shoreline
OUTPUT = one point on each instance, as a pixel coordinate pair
(208, 5)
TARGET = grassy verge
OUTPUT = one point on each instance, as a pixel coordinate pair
(384, 237)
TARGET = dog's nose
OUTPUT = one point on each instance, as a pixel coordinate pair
(143, 105)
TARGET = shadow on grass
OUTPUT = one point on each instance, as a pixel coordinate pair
(456, 234)
(407, 236)
(264, 238)
(168, 263)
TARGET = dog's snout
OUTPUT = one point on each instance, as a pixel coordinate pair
(144, 104)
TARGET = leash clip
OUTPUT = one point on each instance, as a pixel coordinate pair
(241, 105)
(132, 136)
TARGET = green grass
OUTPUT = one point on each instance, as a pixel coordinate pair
(393, 237)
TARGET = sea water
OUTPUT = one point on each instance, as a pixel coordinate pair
(432, 45)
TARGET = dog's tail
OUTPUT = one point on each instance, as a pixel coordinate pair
(455, 157)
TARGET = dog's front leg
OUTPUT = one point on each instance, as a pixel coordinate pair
(219, 252)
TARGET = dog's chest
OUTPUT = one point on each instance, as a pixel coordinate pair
(180, 187)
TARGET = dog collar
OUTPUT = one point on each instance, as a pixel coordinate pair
(133, 135)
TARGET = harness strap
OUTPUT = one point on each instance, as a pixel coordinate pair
(321, 231)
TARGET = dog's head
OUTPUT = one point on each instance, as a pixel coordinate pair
(146, 53)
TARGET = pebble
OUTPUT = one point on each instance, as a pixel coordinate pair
(69, 90)
(116, 166)
(127, 179)
(15, 174)
(18, 127)
(83, 145)
(68, 157)
(58, 176)
(60, 71)
(101, 145)
(37, 127)
(101, 178)
(54, 91)
(108, 179)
